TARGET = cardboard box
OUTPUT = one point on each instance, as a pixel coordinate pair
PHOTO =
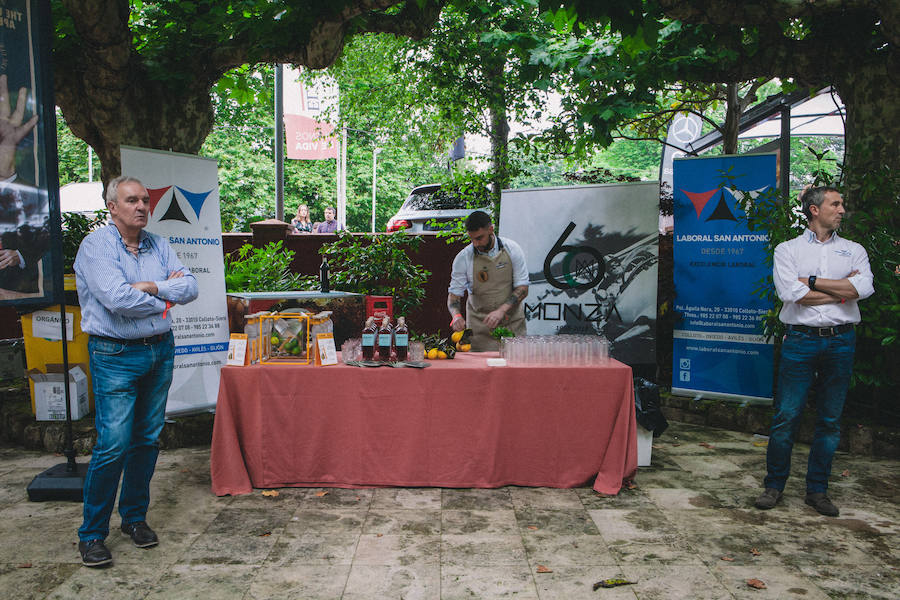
(49, 393)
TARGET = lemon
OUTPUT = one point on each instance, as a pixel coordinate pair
(441, 354)
(457, 335)
(465, 347)
(432, 354)
(275, 340)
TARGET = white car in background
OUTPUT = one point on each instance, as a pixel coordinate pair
(427, 209)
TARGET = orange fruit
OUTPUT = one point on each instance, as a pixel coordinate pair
(441, 354)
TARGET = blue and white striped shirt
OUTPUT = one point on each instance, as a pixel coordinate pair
(104, 272)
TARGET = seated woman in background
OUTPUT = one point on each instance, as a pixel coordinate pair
(301, 222)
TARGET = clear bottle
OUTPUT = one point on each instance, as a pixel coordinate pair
(368, 339)
(401, 339)
(385, 340)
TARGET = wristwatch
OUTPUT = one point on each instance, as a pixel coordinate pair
(812, 282)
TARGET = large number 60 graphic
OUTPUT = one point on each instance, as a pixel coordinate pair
(571, 252)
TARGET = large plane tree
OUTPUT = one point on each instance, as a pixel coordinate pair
(140, 73)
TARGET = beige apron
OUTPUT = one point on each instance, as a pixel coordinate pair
(492, 284)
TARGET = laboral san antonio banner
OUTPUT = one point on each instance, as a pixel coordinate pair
(719, 349)
(184, 208)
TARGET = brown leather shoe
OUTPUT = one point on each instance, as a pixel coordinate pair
(768, 499)
(822, 504)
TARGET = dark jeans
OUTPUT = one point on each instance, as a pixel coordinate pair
(131, 385)
(806, 358)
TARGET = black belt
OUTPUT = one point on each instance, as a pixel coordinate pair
(146, 341)
(823, 331)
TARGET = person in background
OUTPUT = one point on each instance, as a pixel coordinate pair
(819, 277)
(301, 223)
(493, 271)
(330, 225)
(127, 279)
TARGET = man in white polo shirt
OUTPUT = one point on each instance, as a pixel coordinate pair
(819, 277)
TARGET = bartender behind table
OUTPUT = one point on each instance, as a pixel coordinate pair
(493, 270)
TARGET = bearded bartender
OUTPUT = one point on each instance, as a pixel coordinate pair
(493, 272)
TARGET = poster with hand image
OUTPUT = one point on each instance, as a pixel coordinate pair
(28, 178)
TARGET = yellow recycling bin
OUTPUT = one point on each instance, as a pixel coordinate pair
(41, 351)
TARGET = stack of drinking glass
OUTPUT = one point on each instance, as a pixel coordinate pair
(565, 349)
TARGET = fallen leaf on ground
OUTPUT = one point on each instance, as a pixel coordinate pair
(532, 527)
(543, 569)
(376, 535)
(756, 583)
(266, 534)
(761, 444)
(728, 558)
(321, 493)
(755, 552)
(185, 470)
(655, 447)
(706, 445)
(676, 444)
(270, 493)
(25, 565)
(845, 473)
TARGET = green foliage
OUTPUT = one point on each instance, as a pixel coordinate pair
(266, 269)
(378, 265)
(75, 227)
(73, 155)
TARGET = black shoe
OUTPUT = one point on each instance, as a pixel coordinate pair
(822, 504)
(94, 553)
(141, 534)
(768, 499)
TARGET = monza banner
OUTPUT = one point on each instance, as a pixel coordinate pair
(719, 350)
(184, 208)
(592, 256)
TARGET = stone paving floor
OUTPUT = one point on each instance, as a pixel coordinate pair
(686, 530)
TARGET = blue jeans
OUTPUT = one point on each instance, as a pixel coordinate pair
(807, 359)
(131, 385)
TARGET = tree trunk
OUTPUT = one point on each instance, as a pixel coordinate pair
(731, 127)
(870, 94)
(499, 132)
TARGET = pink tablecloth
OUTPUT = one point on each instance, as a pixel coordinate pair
(458, 423)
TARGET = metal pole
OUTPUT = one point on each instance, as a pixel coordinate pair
(90, 165)
(342, 201)
(785, 169)
(279, 143)
(374, 172)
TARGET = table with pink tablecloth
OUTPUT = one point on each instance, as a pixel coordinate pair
(457, 423)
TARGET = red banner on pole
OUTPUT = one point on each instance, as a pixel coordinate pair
(308, 139)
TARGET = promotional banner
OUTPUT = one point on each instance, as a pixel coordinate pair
(308, 136)
(29, 196)
(184, 208)
(719, 349)
(592, 256)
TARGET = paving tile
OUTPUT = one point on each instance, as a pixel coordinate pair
(548, 498)
(229, 549)
(308, 549)
(111, 583)
(467, 582)
(336, 498)
(556, 521)
(35, 581)
(403, 521)
(633, 524)
(862, 582)
(664, 550)
(326, 521)
(389, 582)
(398, 550)
(249, 521)
(667, 582)
(626, 498)
(222, 582)
(475, 499)
(573, 582)
(299, 582)
(781, 583)
(407, 498)
(555, 550)
(479, 522)
(482, 550)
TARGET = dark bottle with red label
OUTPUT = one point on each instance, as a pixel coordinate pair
(401, 339)
(368, 339)
(385, 340)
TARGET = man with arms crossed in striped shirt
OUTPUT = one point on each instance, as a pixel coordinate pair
(127, 278)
